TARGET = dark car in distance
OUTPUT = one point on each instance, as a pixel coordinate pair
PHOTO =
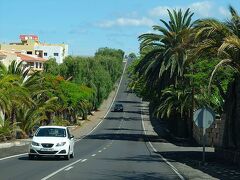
(118, 108)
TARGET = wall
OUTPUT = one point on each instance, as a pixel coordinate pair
(9, 58)
(50, 50)
(214, 134)
(17, 47)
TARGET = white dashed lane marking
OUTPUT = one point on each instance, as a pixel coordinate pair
(93, 155)
(67, 169)
(61, 169)
(84, 160)
(79, 160)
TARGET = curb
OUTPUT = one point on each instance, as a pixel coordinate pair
(21, 142)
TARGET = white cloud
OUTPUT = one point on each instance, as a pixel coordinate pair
(159, 11)
(202, 8)
(223, 11)
(127, 22)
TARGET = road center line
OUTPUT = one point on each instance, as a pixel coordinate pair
(52, 174)
(164, 159)
(110, 107)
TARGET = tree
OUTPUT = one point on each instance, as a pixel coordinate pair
(60, 95)
(132, 56)
(223, 39)
(165, 56)
(117, 53)
(51, 66)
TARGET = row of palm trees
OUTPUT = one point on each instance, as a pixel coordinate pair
(174, 61)
(29, 99)
(62, 94)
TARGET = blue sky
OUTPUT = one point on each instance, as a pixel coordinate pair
(87, 25)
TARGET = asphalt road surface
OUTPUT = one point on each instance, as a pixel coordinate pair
(116, 149)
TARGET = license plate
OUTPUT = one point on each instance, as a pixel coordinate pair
(46, 149)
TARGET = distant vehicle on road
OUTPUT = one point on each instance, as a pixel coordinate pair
(118, 108)
(52, 141)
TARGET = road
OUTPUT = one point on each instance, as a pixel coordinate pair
(116, 149)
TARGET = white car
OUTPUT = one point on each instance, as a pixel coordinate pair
(52, 141)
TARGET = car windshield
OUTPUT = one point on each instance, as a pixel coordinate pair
(51, 132)
(118, 105)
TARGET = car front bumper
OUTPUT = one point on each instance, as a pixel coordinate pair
(38, 150)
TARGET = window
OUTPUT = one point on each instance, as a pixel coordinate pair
(40, 65)
(45, 54)
(51, 132)
(31, 64)
(36, 64)
(29, 52)
(55, 54)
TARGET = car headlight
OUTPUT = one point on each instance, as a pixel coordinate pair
(61, 144)
(35, 143)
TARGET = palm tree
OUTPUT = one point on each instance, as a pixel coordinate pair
(222, 39)
(34, 115)
(18, 90)
(166, 54)
(168, 48)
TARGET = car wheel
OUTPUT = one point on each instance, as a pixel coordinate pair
(30, 157)
(67, 157)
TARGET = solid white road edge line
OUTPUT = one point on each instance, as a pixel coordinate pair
(17, 155)
(47, 177)
(52, 174)
(165, 160)
(109, 106)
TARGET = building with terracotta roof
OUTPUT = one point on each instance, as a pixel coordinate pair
(31, 45)
(33, 61)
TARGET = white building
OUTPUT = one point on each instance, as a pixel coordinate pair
(59, 52)
(33, 61)
(31, 45)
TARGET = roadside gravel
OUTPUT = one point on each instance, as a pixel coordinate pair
(88, 125)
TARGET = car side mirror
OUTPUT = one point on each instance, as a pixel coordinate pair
(31, 136)
(71, 136)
